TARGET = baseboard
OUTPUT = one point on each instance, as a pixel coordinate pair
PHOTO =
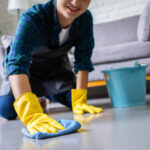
(103, 83)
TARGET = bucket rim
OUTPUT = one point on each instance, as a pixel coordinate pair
(124, 68)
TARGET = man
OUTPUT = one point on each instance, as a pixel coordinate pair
(37, 62)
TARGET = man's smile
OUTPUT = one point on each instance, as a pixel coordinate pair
(73, 9)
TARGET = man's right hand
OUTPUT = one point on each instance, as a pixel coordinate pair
(31, 114)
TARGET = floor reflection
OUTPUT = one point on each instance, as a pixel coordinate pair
(87, 118)
(129, 127)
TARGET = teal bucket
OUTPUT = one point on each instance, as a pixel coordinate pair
(126, 86)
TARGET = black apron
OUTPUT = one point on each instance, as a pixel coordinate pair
(50, 70)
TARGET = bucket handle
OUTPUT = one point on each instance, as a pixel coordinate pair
(137, 63)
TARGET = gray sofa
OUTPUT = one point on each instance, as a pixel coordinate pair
(119, 44)
(116, 45)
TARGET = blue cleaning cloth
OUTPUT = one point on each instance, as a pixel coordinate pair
(70, 125)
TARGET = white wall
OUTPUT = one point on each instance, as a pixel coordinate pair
(108, 10)
(7, 21)
(103, 11)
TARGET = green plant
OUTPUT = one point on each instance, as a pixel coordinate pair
(0, 32)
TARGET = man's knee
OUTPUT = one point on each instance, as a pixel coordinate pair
(7, 110)
(63, 98)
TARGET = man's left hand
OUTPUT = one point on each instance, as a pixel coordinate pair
(79, 103)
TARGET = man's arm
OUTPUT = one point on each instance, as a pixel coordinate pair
(19, 84)
(82, 80)
(79, 96)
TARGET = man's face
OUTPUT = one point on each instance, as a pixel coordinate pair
(72, 9)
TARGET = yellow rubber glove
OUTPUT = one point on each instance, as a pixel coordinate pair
(79, 103)
(31, 114)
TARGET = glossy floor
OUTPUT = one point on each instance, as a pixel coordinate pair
(115, 129)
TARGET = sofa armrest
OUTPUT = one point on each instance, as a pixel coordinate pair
(6, 40)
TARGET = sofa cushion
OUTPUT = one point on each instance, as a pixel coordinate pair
(116, 32)
(6, 40)
(143, 31)
(121, 52)
(98, 75)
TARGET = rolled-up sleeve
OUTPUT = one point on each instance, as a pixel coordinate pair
(84, 45)
(18, 58)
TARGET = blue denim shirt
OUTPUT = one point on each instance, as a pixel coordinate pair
(31, 31)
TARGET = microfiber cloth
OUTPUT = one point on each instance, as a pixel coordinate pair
(70, 125)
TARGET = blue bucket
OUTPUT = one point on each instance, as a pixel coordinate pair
(127, 85)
